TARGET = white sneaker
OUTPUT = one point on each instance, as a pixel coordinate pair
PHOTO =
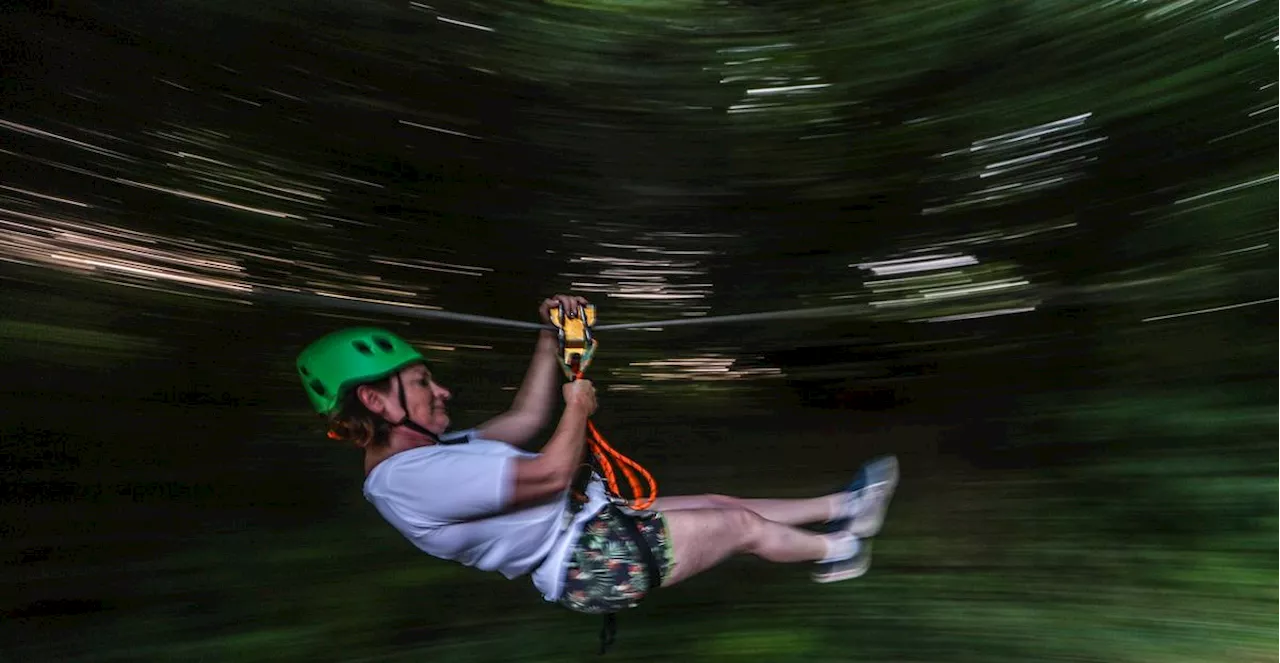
(846, 569)
(869, 496)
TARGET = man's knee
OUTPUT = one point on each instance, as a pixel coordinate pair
(716, 501)
(742, 524)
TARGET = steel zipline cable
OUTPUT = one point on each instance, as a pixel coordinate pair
(407, 310)
(328, 300)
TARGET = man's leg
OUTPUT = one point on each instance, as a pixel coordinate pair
(702, 538)
(785, 511)
(865, 501)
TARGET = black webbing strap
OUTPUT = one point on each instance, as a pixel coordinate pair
(610, 628)
(646, 553)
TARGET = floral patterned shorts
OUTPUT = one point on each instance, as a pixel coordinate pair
(607, 572)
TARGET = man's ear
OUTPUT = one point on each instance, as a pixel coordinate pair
(371, 399)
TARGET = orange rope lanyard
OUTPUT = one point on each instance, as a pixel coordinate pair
(604, 453)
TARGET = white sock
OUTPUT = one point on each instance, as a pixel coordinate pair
(840, 546)
(847, 506)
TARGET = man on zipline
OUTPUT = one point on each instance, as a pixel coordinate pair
(473, 497)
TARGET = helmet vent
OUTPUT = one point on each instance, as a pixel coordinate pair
(304, 370)
(362, 347)
(318, 387)
(383, 344)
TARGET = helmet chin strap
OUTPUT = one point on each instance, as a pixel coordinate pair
(409, 423)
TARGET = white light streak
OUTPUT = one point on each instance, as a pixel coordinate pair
(463, 24)
(786, 89)
(1234, 187)
(22, 128)
(209, 199)
(917, 264)
(46, 197)
(441, 130)
(979, 314)
(1211, 310)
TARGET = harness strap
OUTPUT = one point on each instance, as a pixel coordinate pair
(609, 630)
(577, 348)
(646, 553)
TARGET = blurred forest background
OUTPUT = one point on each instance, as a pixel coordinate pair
(1055, 225)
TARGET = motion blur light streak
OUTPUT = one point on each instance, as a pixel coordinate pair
(1022, 162)
(1234, 187)
(1211, 310)
(707, 368)
(917, 264)
(14, 126)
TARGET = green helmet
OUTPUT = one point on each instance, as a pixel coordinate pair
(349, 357)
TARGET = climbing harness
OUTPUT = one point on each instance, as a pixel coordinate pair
(577, 348)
